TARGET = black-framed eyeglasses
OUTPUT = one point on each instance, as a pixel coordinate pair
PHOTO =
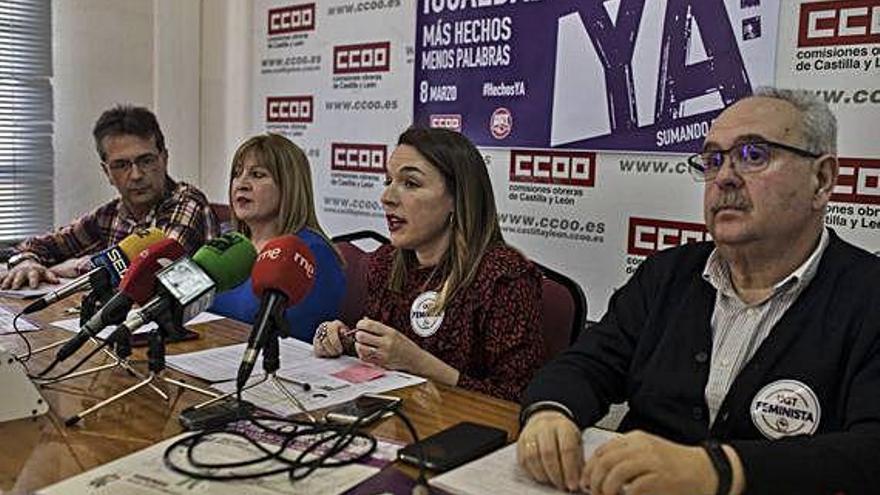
(146, 163)
(749, 157)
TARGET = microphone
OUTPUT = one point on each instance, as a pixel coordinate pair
(110, 265)
(187, 286)
(138, 284)
(283, 274)
(117, 258)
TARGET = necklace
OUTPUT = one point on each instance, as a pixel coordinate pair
(428, 280)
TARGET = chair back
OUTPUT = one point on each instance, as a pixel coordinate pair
(223, 212)
(563, 303)
(354, 249)
(563, 310)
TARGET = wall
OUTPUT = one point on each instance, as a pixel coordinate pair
(145, 52)
(102, 55)
(176, 83)
(225, 90)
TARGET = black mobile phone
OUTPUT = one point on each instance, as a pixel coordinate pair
(454, 446)
(215, 415)
(367, 407)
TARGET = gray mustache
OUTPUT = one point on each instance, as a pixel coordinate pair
(732, 200)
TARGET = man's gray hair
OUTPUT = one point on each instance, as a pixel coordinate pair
(819, 123)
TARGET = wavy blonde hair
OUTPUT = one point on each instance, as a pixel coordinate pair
(289, 168)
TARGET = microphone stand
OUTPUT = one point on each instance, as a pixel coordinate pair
(156, 364)
(94, 301)
(271, 364)
(91, 304)
(120, 339)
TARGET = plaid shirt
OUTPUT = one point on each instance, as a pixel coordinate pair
(183, 214)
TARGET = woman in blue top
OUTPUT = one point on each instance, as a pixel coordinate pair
(271, 195)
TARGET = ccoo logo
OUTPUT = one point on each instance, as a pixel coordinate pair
(451, 121)
(648, 235)
(289, 109)
(362, 58)
(350, 157)
(572, 168)
(291, 19)
(840, 22)
(858, 181)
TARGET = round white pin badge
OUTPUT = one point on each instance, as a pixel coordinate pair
(423, 324)
(786, 408)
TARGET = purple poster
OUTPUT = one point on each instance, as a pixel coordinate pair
(629, 75)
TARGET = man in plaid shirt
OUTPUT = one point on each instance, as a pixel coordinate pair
(135, 160)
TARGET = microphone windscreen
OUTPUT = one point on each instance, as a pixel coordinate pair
(139, 282)
(139, 240)
(227, 259)
(287, 265)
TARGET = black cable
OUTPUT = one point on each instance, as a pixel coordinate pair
(331, 440)
(21, 334)
(422, 480)
(42, 375)
(116, 334)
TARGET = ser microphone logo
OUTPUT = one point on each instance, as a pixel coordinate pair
(291, 19)
(648, 235)
(362, 58)
(858, 181)
(289, 109)
(118, 261)
(841, 22)
(570, 168)
(350, 157)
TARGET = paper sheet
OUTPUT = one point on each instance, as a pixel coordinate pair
(72, 324)
(41, 290)
(298, 365)
(6, 317)
(499, 472)
(144, 473)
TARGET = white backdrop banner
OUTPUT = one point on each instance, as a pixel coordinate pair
(336, 78)
(340, 79)
(833, 47)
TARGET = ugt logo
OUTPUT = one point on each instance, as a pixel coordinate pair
(697, 67)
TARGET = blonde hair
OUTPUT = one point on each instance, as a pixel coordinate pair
(474, 221)
(289, 168)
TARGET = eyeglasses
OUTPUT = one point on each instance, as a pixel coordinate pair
(148, 162)
(747, 158)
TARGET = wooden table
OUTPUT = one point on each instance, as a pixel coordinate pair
(42, 451)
